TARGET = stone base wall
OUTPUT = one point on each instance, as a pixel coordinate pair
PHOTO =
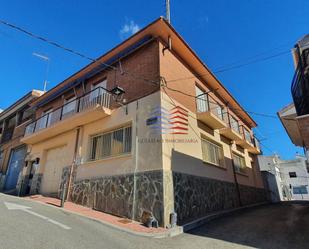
(196, 196)
(251, 195)
(116, 195)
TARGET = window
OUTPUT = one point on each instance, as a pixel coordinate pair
(247, 135)
(300, 190)
(239, 163)
(69, 106)
(219, 112)
(201, 100)
(112, 143)
(45, 120)
(292, 174)
(234, 124)
(212, 153)
(97, 89)
(24, 116)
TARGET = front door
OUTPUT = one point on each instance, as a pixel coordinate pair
(16, 163)
(56, 160)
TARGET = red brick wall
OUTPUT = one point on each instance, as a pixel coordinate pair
(143, 64)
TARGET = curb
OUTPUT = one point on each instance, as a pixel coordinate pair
(202, 221)
(169, 233)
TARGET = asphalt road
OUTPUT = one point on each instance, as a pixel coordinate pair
(44, 227)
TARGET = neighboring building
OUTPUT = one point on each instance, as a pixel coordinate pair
(295, 117)
(285, 179)
(158, 148)
(13, 121)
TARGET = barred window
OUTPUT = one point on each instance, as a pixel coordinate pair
(239, 163)
(212, 153)
(111, 143)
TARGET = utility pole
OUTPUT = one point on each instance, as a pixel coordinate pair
(168, 11)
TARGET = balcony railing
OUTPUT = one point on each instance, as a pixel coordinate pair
(96, 97)
(7, 134)
(232, 122)
(247, 135)
(300, 85)
(206, 103)
(256, 143)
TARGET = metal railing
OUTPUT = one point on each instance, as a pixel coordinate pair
(246, 134)
(300, 85)
(205, 103)
(256, 143)
(7, 134)
(98, 96)
(232, 122)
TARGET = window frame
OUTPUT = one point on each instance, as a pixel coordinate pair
(241, 170)
(221, 162)
(69, 103)
(298, 190)
(201, 100)
(293, 174)
(92, 152)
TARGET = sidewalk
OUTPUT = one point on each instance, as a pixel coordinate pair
(123, 224)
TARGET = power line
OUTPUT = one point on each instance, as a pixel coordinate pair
(235, 109)
(254, 56)
(233, 67)
(55, 44)
(198, 133)
(254, 61)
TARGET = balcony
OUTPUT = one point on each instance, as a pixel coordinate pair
(248, 142)
(300, 85)
(232, 131)
(7, 134)
(256, 149)
(210, 112)
(90, 107)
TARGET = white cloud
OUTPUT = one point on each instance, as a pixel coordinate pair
(129, 28)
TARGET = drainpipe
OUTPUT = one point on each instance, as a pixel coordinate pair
(235, 178)
(73, 163)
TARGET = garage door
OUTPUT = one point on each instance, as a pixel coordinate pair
(56, 160)
(17, 160)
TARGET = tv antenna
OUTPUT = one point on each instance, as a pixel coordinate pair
(47, 60)
(168, 11)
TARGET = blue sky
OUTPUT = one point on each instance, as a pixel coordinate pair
(221, 32)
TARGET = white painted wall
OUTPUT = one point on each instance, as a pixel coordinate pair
(280, 169)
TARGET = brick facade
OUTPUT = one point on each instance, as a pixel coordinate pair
(142, 67)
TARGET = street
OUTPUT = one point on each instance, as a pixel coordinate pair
(42, 227)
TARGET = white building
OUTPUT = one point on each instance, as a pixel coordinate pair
(285, 179)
